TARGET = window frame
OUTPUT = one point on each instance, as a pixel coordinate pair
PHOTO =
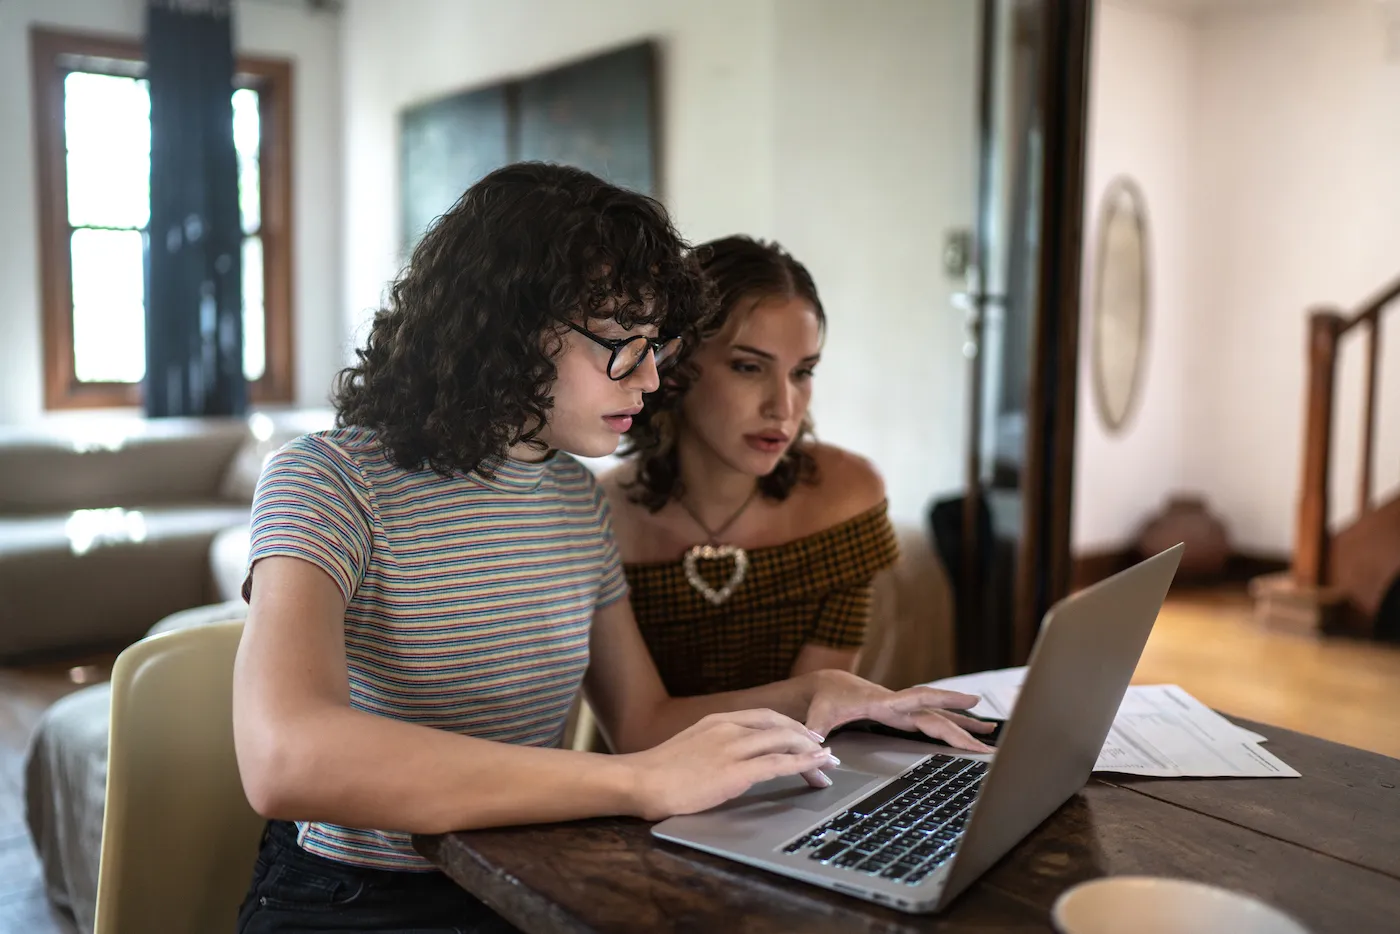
(273, 79)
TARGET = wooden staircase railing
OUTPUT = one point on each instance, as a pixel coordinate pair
(1326, 328)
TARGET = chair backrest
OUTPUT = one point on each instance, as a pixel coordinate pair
(178, 836)
(911, 636)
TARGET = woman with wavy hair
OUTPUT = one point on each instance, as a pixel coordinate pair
(749, 547)
(431, 581)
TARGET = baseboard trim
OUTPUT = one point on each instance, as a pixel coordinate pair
(1090, 567)
(1246, 567)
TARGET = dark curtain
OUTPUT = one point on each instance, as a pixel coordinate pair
(194, 291)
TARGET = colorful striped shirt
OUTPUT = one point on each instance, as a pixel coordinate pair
(468, 600)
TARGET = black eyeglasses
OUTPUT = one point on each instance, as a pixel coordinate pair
(629, 352)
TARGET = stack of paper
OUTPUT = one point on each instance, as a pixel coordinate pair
(1160, 730)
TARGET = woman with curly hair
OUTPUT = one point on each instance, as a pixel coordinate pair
(433, 580)
(748, 546)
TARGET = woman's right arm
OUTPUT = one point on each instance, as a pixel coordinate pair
(305, 754)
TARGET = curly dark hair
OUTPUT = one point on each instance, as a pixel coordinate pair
(459, 365)
(743, 272)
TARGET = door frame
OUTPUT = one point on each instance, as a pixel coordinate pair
(1043, 565)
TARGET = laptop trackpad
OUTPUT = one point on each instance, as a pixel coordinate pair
(794, 791)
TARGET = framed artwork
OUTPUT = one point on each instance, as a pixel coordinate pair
(599, 114)
(446, 146)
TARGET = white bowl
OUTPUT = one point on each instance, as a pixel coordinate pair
(1151, 905)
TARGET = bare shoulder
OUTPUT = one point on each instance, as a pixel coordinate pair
(629, 519)
(614, 484)
(614, 480)
(847, 485)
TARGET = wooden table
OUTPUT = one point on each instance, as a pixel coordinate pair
(1325, 848)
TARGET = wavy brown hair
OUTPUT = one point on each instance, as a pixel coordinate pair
(459, 364)
(743, 272)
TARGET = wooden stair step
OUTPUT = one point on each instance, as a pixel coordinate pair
(1281, 604)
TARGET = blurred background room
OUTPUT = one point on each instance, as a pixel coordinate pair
(1101, 276)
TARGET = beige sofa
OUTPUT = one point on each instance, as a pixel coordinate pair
(106, 524)
(910, 641)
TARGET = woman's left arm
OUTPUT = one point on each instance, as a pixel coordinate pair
(636, 712)
(815, 657)
(838, 631)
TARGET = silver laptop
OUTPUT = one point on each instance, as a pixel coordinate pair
(911, 828)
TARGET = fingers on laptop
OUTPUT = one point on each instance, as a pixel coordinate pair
(940, 726)
(760, 719)
(776, 765)
(971, 724)
(774, 745)
(912, 700)
(753, 743)
(771, 745)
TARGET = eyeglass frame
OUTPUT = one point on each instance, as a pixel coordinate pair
(615, 345)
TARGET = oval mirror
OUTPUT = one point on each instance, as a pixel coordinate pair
(1120, 302)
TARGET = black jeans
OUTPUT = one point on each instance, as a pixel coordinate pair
(293, 890)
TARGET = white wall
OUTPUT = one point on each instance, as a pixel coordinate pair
(716, 99)
(875, 152)
(846, 132)
(1266, 140)
(1141, 124)
(263, 27)
(312, 41)
(1300, 206)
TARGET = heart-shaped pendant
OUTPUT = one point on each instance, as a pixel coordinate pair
(712, 553)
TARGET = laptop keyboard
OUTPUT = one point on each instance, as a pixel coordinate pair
(904, 830)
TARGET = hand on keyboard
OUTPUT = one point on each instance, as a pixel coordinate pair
(842, 697)
(719, 758)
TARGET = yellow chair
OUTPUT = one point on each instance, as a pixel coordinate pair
(178, 836)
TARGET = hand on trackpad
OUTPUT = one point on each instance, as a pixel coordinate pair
(793, 790)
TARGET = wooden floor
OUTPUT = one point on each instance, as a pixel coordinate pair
(1348, 692)
(1343, 690)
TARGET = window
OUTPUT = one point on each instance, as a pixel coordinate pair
(92, 117)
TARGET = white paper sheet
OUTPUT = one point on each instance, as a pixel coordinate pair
(1160, 730)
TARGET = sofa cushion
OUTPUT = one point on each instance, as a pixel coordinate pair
(228, 561)
(240, 480)
(68, 464)
(266, 435)
(102, 577)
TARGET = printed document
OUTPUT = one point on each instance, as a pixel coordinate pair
(1160, 731)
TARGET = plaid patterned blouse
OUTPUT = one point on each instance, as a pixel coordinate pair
(816, 589)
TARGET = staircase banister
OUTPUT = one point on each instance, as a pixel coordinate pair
(1373, 306)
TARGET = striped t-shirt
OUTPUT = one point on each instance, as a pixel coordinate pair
(468, 600)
